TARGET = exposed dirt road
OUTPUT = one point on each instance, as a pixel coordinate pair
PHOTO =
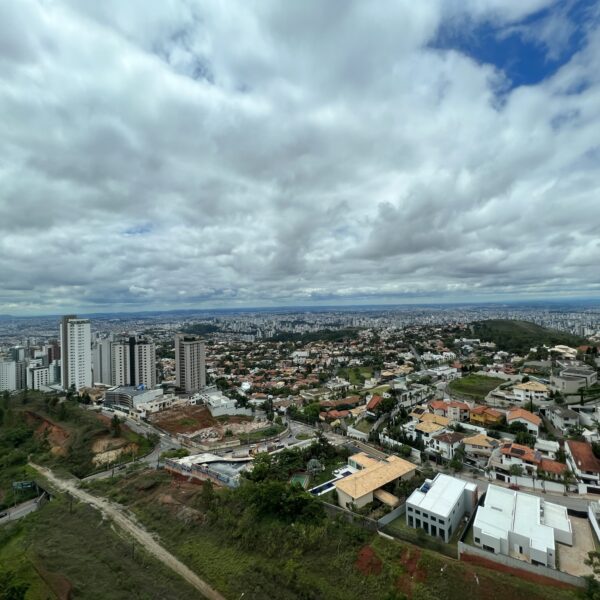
(130, 526)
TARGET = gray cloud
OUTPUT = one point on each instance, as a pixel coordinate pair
(203, 154)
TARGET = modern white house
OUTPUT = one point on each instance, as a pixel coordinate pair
(522, 526)
(563, 418)
(439, 505)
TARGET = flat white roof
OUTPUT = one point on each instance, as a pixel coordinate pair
(507, 510)
(440, 495)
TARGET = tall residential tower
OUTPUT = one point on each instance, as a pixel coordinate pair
(76, 352)
(190, 362)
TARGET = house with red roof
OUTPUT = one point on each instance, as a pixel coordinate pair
(520, 415)
(374, 402)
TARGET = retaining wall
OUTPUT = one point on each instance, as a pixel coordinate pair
(466, 551)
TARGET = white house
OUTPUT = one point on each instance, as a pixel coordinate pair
(583, 462)
(522, 526)
(439, 505)
(530, 391)
(519, 415)
(446, 443)
(563, 418)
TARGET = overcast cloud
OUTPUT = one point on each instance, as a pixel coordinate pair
(206, 154)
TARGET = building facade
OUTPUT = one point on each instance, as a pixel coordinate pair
(190, 362)
(76, 352)
(439, 505)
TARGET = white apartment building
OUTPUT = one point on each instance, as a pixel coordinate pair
(190, 362)
(38, 377)
(76, 352)
(133, 362)
(8, 375)
(522, 526)
(102, 360)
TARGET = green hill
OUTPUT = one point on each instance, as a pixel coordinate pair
(519, 336)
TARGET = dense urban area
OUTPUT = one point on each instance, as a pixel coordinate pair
(411, 452)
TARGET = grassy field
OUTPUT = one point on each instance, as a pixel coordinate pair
(356, 375)
(364, 426)
(474, 387)
(239, 554)
(56, 550)
(260, 434)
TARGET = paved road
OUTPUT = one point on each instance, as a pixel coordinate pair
(417, 357)
(19, 511)
(128, 524)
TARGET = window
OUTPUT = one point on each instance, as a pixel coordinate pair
(410, 522)
(477, 540)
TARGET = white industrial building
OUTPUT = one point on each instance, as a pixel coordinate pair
(522, 526)
(439, 505)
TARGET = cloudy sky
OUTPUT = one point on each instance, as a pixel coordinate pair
(183, 153)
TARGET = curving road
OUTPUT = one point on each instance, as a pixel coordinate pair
(128, 524)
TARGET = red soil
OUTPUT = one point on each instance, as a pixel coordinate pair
(367, 562)
(490, 564)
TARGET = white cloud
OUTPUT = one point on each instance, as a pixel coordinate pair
(255, 154)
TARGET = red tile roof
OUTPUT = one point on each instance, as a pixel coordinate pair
(520, 413)
(552, 466)
(374, 402)
(584, 457)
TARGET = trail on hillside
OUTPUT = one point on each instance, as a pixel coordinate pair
(130, 526)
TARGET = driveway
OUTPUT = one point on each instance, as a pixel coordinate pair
(571, 558)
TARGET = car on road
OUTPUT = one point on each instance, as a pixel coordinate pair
(3, 514)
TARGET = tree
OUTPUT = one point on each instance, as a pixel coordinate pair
(115, 426)
(516, 470)
(208, 496)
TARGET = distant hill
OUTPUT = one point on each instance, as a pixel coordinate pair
(519, 336)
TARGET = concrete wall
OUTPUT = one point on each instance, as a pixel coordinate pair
(501, 559)
(594, 522)
(397, 512)
(357, 435)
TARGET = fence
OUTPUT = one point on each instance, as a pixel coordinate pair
(394, 514)
(334, 511)
(358, 435)
(519, 565)
(594, 522)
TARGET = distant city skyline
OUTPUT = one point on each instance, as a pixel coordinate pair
(181, 154)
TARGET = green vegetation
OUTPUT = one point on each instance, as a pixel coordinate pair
(175, 453)
(200, 328)
(356, 375)
(58, 550)
(520, 336)
(475, 387)
(261, 434)
(325, 335)
(55, 433)
(249, 541)
(364, 426)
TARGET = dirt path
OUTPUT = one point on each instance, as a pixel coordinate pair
(128, 524)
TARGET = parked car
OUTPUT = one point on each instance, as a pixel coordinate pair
(513, 486)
